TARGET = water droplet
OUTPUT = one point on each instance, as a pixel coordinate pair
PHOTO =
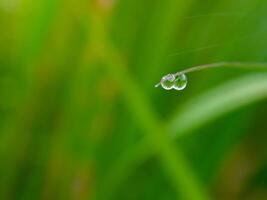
(180, 82)
(167, 82)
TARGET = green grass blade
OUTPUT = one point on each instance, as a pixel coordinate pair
(219, 101)
(171, 158)
(235, 94)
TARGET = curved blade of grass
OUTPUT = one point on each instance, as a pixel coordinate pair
(214, 103)
(219, 101)
(171, 158)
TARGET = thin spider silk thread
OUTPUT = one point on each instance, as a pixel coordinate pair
(211, 46)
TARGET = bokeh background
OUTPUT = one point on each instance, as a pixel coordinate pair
(80, 117)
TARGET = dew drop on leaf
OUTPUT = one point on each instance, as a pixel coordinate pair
(167, 82)
(180, 82)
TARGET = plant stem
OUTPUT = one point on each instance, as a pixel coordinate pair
(220, 64)
(215, 65)
(155, 135)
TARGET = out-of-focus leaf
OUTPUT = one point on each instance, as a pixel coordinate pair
(198, 112)
(217, 102)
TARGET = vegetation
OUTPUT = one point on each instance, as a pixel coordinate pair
(80, 117)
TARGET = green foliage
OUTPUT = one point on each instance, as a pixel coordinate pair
(80, 117)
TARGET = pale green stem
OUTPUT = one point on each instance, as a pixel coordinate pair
(216, 65)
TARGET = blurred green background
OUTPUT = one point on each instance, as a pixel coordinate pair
(80, 117)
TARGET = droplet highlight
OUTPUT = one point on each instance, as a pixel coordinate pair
(167, 82)
(180, 82)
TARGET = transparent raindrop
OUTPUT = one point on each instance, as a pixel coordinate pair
(167, 82)
(180, 82)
